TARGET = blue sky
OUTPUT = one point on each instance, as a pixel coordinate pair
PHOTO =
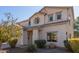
(24, 12)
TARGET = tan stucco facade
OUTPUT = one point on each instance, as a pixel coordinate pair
(64, 26)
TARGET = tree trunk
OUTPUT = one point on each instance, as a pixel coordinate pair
(0, 45)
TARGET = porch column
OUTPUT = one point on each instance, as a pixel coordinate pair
(35, 35)
(25, 39)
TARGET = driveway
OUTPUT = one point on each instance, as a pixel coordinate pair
(43, 50)
(55, 50)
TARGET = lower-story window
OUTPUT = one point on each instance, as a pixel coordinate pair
(52, 36)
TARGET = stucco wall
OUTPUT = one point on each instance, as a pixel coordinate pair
(71, 15)
(35, 35)
(61, 33)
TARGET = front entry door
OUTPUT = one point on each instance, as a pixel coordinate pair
(29, 37)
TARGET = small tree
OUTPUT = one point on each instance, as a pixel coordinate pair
(9, 29)
(3, 34)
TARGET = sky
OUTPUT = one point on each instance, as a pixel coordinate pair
(24, 12)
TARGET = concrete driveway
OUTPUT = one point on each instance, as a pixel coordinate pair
(43, 50)
(55, 50)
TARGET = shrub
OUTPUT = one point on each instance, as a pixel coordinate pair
(31, 48)
(12, 42)
(40, 43)
(67, 45)
(74, 43)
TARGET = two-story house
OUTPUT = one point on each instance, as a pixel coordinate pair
(54, 24)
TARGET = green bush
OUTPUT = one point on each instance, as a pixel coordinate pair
(12, 42)
(31, 48)
(40, 43)
(67, 45)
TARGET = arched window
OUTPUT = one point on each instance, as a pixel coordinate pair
(36, 20)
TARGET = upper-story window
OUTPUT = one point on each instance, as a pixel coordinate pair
(37, 20)
(29, 23)
(50, 17)
(58, 15)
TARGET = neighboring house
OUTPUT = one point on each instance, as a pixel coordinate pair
(54, 24)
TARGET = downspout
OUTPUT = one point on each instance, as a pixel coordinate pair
(44, 18)
(67, 34)
(68, 16)
(45, 15)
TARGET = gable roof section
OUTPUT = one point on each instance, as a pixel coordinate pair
(21, 23)
(36, 14)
